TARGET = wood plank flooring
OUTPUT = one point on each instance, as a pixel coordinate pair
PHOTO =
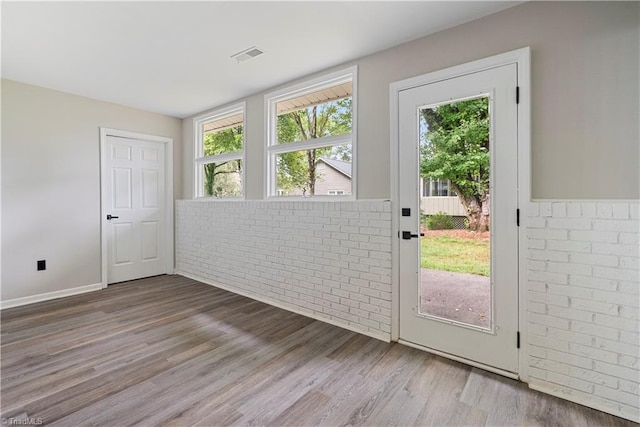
(171, 351)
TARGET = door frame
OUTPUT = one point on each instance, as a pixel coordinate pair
(521, 57)
(168, 164)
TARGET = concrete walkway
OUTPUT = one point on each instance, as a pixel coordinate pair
(456, 296)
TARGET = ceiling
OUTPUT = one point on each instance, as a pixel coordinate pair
(174, 58)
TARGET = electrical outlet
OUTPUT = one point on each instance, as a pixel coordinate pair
(42, 264)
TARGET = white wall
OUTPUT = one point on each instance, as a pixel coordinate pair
(585, 108)
(327, 260)
(583, 303)
(51, 184)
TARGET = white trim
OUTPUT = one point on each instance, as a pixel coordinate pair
(354, 132)
(315, 199)
(17, 302)
(309, 144)
(394, 142)
(1, 188)
(345, 325)
(523, 60)
(104, 133)
(218, 113)
(543, 388)
(461, 359)
(514, 56)
(220, 158)
(199, 159)
(315, 84)
(521, 57)
(585, 200)
(267, 160)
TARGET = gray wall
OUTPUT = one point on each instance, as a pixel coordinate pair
(585, 86)
(51, 184)
(331, 179)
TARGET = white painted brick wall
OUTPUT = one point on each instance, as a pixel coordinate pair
(330, 260)
(583, 297)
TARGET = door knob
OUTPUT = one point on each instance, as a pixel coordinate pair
(109, 216)
(406, 235)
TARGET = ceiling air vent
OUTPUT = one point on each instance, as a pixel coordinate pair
(252, 52)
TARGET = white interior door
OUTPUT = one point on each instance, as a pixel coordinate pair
(135, 207)
(471, 315)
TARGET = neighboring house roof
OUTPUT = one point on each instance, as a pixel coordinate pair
(339, 165)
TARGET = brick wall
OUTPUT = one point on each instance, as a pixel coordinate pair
(328, 260)
(332, 261)
(583, 299)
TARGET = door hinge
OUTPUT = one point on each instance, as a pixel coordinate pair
(518, 217)
(518, 339)
(517, 94)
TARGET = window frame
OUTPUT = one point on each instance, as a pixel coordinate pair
(200, 159)
(272, 148)
(427, 186)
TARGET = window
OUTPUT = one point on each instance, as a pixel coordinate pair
(219, 160)
(310, 126)
(437, 188)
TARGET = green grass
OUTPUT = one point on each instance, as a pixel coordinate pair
(454, 254)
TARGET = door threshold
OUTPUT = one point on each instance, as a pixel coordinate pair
(462, 360)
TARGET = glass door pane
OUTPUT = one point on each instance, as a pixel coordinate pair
(455, 252)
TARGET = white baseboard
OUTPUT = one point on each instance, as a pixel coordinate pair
(380, 336)
(577, 399)
(17, 302)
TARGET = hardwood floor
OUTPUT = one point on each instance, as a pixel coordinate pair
(172, 351)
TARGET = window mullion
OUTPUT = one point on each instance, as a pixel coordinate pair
(219, 158)
(310, 144)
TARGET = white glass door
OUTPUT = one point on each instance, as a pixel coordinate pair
(458, 187)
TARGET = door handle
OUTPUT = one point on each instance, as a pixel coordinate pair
(406, 235)
(109, 217)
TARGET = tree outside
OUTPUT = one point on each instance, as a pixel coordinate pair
(455, 146)
(225, 178)
(297, 170)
